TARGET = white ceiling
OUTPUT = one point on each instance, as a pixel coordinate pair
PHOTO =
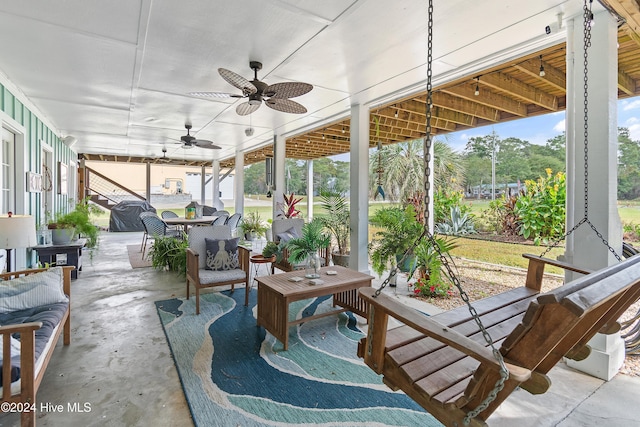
(115, 74)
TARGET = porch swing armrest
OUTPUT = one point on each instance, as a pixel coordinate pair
(535, 269)
(383, 305)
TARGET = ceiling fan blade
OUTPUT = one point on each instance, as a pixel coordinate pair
(215, 95)
(246, 108)
(203, 143)
(238, 81)
(287, 90)
(285, 105)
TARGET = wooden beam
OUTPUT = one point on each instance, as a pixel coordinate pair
(506, 83)
(441, 99)
(454, 116)
(626, 83)
(553, 76)
(629, 10)
(488, 98)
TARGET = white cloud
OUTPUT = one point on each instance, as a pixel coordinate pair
(634, 132)
(631, 121)
(626, 105)
(560, 126)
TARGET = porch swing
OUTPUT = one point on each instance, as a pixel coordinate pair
(460, 365)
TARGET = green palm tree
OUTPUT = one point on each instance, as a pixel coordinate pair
(404, 168)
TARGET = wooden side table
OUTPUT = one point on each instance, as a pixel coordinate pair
(256, 261)
(47, 254)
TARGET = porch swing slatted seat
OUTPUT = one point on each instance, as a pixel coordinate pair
(460, 365)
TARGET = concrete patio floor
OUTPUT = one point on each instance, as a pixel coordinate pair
(119, 362)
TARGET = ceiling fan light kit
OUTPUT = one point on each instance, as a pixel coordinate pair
(275, 96)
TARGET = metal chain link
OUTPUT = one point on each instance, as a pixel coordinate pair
(587, 16)
(446, 261)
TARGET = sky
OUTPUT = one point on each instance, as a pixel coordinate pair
(539, 129)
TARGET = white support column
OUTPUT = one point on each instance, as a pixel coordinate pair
(431, 189)
(238, 183)
(587, 248)
(279, 155)
(215, 197)
(359, 187)
(310, 189)
(203, 181)
(584, 247)
(147, 184)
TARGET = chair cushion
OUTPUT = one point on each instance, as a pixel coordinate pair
(199, 233)
(208, 277)
(31, 291)
(285, 236)
(222, 254)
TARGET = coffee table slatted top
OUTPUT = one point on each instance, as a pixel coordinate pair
(280, 283)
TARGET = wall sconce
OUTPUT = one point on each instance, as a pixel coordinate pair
(477, 91)
(343, 131)
(396, 114)
(542, 73)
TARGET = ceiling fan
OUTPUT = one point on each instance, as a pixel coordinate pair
(275, 96)
(164, 158)
(189, 141)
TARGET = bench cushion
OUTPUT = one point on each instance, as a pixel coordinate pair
(32, 291)
(50, 316)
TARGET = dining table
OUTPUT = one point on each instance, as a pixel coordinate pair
(186, 222)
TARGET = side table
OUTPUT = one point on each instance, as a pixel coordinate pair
(256, 261)
(47, 254)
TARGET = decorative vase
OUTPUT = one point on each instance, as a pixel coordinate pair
(312, 268)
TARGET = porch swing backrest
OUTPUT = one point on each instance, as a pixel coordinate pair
(443, 363)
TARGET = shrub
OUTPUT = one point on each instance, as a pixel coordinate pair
(458, 224)
(169, 252)
(541, 210)
(426, 287)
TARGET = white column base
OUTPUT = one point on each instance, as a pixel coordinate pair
(606, 358)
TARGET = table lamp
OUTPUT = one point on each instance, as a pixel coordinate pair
(16, 231)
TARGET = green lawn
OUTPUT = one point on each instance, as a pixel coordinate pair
(481, 250)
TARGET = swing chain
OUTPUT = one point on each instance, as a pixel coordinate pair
(587, 16)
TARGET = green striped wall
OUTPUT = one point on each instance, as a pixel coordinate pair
(35, 132)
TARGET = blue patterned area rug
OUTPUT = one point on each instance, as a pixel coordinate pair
(236, 374)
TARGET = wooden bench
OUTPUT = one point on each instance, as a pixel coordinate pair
(31, 374)
(443, 363)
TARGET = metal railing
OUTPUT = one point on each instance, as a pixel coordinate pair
(105, 191)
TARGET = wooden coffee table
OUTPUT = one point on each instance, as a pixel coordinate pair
(276, 292)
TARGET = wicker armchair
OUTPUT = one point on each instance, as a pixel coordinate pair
(280, 227)
(196, 262)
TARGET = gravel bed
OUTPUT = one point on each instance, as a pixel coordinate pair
(480, 280)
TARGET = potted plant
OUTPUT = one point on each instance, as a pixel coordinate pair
(337, 223)
(169, 253)
(427, 257)
(252, 226)
(67, 226)
(399, 230)
(288, 207)
(306, 247)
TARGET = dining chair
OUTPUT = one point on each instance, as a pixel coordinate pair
(220, 219)
(144, 233)
(232, 222)
(154, 227)
(170, 214)
(202, 270)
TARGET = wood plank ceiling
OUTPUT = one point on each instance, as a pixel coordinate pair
(508, 91)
